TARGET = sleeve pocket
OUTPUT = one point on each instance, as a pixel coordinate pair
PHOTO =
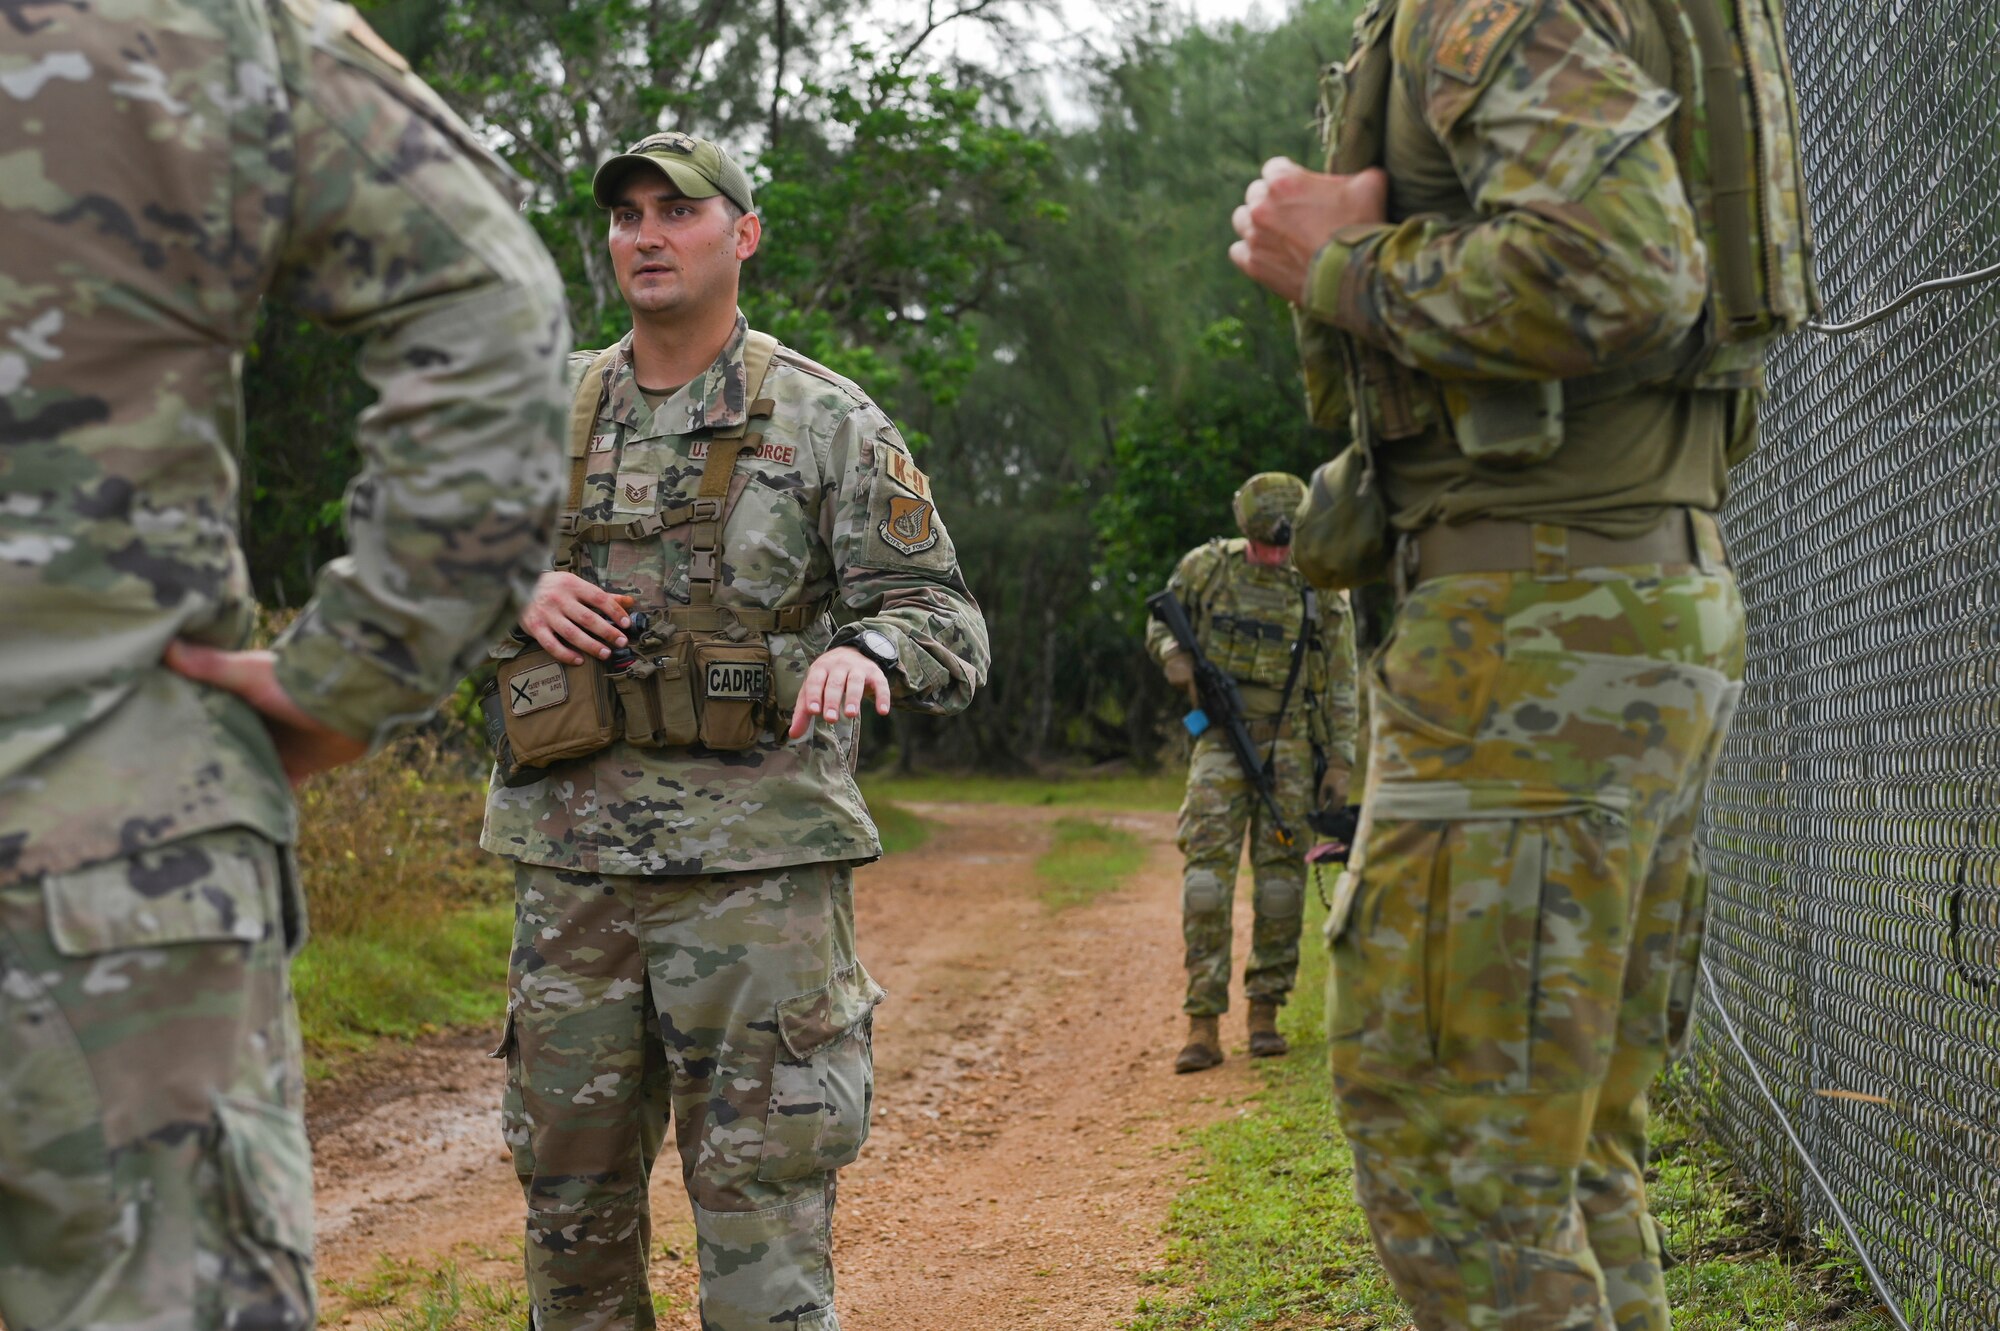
(823, 1078)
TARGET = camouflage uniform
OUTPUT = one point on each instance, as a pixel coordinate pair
(1512, 945)
(684, 934)
(1247, 618)
(163, 166)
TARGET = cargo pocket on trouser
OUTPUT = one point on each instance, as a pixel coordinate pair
(59, 1215)
(769, 1268)
(1534, 958)
(263, 1277)
(823, 1079)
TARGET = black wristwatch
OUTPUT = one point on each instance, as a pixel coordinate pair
(875, 645)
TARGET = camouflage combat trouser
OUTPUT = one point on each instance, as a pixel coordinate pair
(1516, 947)
(153, 1163)
(732, 1003)
(1219, 807)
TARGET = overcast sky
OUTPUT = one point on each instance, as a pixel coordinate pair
(1058, 28)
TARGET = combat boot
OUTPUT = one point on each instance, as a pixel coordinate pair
(1265, 1042)
(1204, 1046)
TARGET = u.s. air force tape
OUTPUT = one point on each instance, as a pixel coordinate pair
(735, 681)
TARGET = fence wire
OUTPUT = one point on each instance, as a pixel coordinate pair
(1853, 830)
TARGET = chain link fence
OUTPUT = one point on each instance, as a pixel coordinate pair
(1849, 1046)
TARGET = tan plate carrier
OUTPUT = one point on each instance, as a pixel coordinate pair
(700, 673)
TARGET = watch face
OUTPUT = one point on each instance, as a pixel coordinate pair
(877, 645)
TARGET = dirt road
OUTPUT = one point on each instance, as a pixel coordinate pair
(1029, 1133)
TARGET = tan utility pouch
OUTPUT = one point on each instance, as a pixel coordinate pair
(554, 711)
(1341, 537)
(659, 700)
(734, 679)
(1506, 422)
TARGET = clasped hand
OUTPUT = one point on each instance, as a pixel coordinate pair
(1288, 215)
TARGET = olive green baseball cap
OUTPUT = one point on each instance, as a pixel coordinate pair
(698, 168)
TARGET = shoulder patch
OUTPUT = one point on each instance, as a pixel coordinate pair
(902, 469)
(1472, 33)
(909, 527)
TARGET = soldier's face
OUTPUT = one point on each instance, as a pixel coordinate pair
(673, 255)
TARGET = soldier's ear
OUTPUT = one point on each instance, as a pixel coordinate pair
(749, 231)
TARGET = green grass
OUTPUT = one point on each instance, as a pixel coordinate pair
(1159, 791)
(1267, 1234)
(355, 989)
(1086, 859)
(901, 830)
(402, 1294)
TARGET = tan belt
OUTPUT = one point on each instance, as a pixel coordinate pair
(1687, 536)
(719, 618)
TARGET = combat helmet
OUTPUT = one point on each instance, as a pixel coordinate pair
(1265, 504)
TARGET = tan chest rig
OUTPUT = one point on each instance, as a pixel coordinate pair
(1733, 141)
(694, 674)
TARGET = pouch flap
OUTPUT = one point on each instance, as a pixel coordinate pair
(217, 887)
(269, 1165)
(814, 1020)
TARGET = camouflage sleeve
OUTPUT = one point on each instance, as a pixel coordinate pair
(1583, 253)
(1335, 717)
(1192, 571)
(897, 568)
(404, 232)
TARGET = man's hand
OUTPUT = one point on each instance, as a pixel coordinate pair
(1288, 215)
(1333, 786)
(834, 687)
(304, 745)
(569, 616)
(1179, 670)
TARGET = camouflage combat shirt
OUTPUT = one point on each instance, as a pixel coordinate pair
(1539, 229)
(828, 510)
(163, 166)
(1246, 617)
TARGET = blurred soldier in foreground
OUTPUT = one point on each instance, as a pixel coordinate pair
(1290, 651)
(1551, 265)
(680, 720)
(162, 167)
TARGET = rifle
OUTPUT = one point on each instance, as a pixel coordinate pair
(1221, 705)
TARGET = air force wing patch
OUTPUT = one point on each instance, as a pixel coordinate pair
(909, 526)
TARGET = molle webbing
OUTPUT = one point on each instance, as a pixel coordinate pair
(1732, 166)
(724, 448)
(583, 410)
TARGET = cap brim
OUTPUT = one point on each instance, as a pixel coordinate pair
(687, 180)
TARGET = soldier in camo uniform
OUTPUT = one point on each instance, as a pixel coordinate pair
(163, 166)
(1290, 650)
(1552, 257)
(684, 948)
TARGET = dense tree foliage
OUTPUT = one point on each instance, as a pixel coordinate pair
(1045, 305)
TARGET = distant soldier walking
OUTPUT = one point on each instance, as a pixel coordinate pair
(1290, 650)
(686, 828)
(163, 167)
(1537, 280)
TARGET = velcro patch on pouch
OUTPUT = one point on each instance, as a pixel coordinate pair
(735, 681)
(533, 690)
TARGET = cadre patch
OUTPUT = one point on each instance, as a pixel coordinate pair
(909, 527)
(532, 690)
(734, 681)
(903, 471)
(1473, 34)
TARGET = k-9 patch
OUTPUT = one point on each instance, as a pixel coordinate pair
(910, 526)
